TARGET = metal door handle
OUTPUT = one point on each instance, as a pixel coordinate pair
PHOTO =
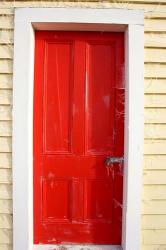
(111, 160)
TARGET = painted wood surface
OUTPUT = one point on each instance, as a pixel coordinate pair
(86, 127)
(153, 198)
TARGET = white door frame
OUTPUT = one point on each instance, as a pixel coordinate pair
(26, 21)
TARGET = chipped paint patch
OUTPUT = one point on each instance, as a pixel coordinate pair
(77, 247)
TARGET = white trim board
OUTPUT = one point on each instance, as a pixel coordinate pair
(28, 19)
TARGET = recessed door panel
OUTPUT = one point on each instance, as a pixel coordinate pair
(97, 207)
(57, 105)
(78, 124)
(56, 200)
(100, 80)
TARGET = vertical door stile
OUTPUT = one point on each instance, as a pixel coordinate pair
(78, 102)
(78, 124)
(38, 127)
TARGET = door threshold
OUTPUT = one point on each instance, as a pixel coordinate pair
(76, 247)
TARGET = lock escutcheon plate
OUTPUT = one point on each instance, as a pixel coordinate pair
(111, 160)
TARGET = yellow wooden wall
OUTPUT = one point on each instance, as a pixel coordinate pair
(154, 174)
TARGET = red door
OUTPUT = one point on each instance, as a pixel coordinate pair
(78, 122)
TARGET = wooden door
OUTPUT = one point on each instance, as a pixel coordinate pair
(78, 122)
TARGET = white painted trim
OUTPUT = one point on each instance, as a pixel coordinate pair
(28, 19)
(134, 122)
(79, 15)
